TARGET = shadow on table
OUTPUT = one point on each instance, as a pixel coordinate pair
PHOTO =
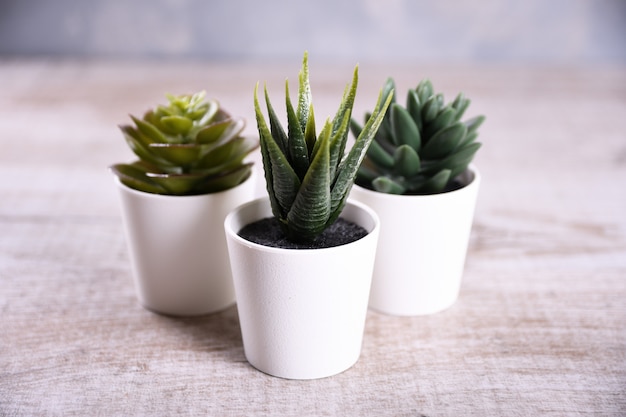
(218, 333)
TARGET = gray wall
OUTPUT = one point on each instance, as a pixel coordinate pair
(544, 31)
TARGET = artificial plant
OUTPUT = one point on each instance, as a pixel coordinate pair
(191, 146)
(308, 178)
(420, 148)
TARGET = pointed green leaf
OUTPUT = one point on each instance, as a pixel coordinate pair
(474, 123)
(406, 161)
(379, 155)
(298, 150)
(350, 165)
(337, 146)
(389, 88)
(304, 93)
(424, 90)
(183, 155)
(150, 131)
(347, 102)
(435, 184)
(460, 104)
(135, 178)
(226, 155)
(225, 181)
(266, 138)
(276, 127)
(444, 141)
(176, 125)
(311, 208)
(220, 131)
(355, 127)
(431, 108)
(309, 133)
(404, 130)
(388, 186)
(414, 108)
(139, 144)
(443, 119)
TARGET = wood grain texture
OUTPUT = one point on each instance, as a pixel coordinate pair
(539, 328)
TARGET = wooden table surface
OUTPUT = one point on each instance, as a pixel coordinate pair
(539, 328)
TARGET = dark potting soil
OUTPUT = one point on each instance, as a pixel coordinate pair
(267, 232)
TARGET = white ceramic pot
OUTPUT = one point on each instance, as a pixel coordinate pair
(178, 248)
(302, 311)
(422, 247)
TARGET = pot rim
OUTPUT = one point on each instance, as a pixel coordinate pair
(471, 169)
(231, 233)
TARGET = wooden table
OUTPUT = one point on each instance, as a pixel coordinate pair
(539, 328)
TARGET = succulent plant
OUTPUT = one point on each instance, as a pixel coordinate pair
(308, 178)
(191, 146)
(420, 148)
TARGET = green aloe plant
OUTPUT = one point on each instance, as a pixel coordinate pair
(308, 178)
(191, 146)
(420, 148)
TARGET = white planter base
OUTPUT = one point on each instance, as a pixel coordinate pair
(422, 247)
(302, 311)
(178, 248)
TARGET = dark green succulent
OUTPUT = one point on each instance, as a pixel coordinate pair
(420, 148)
(189, 147)
(308, 178)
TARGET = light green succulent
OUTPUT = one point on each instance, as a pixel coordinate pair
(308, 178)
(420, 148)
(192, 146)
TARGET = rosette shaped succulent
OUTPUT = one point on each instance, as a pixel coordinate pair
(191, 146)
(420, 148)
(308, 176)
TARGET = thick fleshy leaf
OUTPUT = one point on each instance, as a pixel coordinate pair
(443, 119)
(298, 150)
(282, 182)
(424, 90)
(389, 88)
(224, 157)
(355, 128)
(135, 178)
(460, 104)
(225, 181)
(215, 131)
(414, 107)
(406, 161)
(474, 123)
(349, 166)
(337, 146)
(176, 125)
(462, 158)
(305, 100)
(347, 102)
(309, 133)
(310, 211)
(276, 127)
(444, 141)
(435, 184)
(365, 175)
(150, 131)
(388, 186)
(176, 184)
(183, 155)
(379, 155)
(139, 144)
(404, 130)
(431, 108)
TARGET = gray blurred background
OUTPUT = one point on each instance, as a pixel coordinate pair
(493, 31)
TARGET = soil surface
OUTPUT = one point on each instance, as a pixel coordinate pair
(268, 232)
